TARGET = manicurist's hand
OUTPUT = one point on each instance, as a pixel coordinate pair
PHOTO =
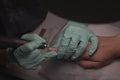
(73, 39)
(28, 55)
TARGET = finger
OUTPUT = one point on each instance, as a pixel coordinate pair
(85, 54)
(28, 47)
(32, 36)
(32, 63)
(61, 52)
(72, 46)
(68, 54)
(28, 36)
(25, 59)
(35, 43)
(63, 42)
(81, 48)
(94, 44)
(53, 49)
(89, 64)
(63, 47)
(40, 59)
(74, 42)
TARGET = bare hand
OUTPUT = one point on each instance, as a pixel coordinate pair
(108, 50)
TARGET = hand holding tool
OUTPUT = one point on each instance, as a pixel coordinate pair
(9, 42)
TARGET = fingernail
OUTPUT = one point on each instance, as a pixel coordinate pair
(54, 49)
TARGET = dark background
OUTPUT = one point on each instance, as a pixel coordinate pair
(89, 11)
(18, 17)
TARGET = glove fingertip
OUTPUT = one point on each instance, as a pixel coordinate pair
(24, 36)
(92, 49)
(91, 52)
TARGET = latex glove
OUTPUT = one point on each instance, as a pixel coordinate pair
(70, 36)
(27, 55)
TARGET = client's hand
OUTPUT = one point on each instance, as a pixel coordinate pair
(108, 50)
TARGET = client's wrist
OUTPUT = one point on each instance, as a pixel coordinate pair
(117, 44)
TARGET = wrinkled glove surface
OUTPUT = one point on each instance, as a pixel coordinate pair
(27, 55)
(73, 39)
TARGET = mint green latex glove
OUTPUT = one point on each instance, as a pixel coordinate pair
(70, 36)
(27, 55)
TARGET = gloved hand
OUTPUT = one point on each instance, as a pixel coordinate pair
(27, 55)
(73, 39)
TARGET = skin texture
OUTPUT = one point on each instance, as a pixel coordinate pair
(108, 50)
